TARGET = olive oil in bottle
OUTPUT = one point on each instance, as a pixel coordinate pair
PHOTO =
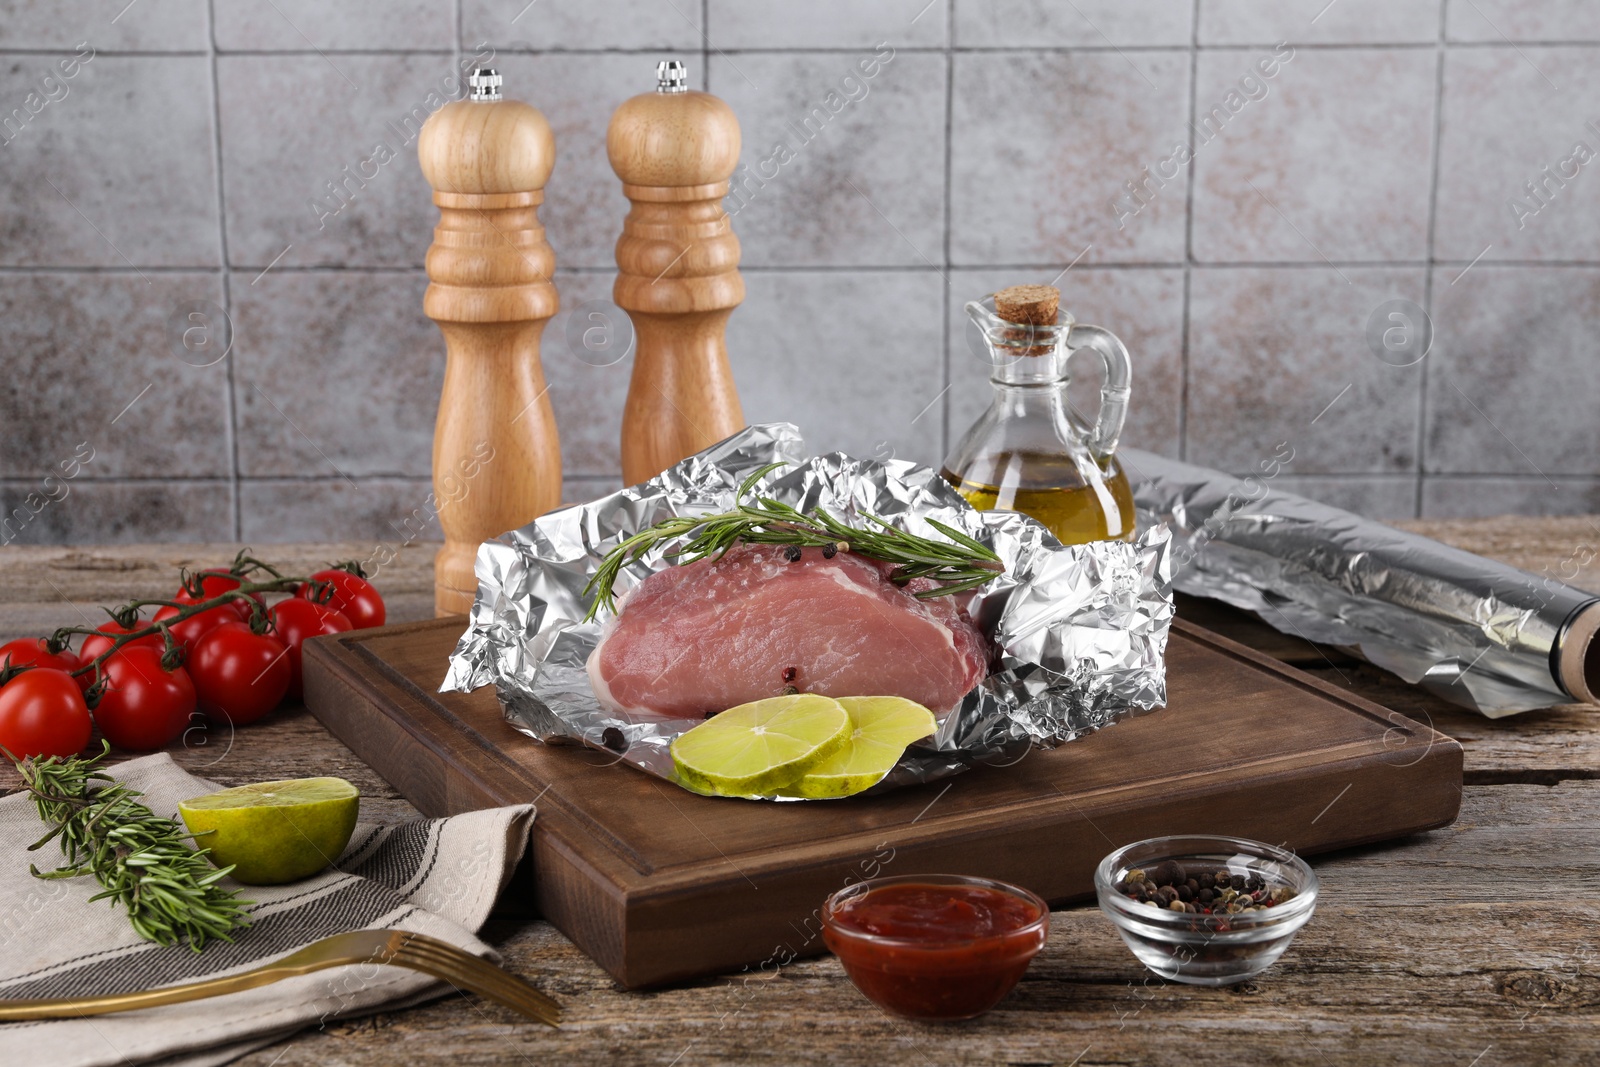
(1073, 508)
(1029, 451)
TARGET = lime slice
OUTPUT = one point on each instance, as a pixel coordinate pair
(755, 748)
(884, 726)
(275, 832)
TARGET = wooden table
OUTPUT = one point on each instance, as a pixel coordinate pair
(1473, 946)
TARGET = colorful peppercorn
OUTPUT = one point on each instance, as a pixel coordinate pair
(1171, 887)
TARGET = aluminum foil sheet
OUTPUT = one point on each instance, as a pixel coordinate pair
(1081, 630)
(1476, 632)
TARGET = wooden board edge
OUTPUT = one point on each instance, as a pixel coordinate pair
(655, 937)
(346, 703)
(614, 924)
(343, 701)
(341, 655)
(388, 700)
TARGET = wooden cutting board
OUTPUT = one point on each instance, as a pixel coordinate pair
(660, 885)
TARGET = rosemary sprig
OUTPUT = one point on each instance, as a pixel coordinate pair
(960, 563)
(140, 859)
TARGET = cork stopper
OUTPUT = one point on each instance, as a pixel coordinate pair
(1033, 308)
(1028, 305)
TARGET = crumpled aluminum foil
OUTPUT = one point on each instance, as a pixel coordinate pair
(1476, 632)
(1082, 630)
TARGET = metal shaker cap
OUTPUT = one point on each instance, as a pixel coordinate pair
(485, 83)
(672, 76)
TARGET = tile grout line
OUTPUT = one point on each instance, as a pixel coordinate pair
(455, 55)
(862, 268)
(705, 44)
(232, 425)
(944, 303)
(1188, 241)
(510, 47)
(1427, 274)
(19, 481)
(1342, 46)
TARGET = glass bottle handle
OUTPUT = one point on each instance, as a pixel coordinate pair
(1114, 393)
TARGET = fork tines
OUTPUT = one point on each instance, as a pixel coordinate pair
(462, 969)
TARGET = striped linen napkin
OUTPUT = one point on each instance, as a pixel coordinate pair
(435, 876)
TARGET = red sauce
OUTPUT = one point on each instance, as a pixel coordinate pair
(931, 951)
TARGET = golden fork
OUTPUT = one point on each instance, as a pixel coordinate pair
(398, 948)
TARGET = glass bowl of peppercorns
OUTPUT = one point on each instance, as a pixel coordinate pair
(1206, 910)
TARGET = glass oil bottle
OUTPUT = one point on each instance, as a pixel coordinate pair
(1030, 451)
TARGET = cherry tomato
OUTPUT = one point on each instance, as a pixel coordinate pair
(293, 621)
(214, 583)
(353, 597)
(94, 646)
(42, 713)
(142, 706)
(188, 632)
(239, 676)
(35, 652)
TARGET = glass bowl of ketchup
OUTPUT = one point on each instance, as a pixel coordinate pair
(934, 947)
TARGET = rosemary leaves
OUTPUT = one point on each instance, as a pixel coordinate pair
(140, 859)
(959, 564)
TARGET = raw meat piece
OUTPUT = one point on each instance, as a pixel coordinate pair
(708, 636)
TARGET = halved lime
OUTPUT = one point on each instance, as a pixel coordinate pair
(755, 748)
(275, 832)
(884, 726)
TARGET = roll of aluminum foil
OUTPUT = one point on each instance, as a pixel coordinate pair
(1081, 630)
(1478, 633)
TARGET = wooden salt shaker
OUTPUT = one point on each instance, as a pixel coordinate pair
(678, 274)
(496, 458)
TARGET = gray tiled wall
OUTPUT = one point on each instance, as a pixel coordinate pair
(1382, 159)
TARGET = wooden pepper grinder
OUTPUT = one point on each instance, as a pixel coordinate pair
(496, 459)
(678, 260)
